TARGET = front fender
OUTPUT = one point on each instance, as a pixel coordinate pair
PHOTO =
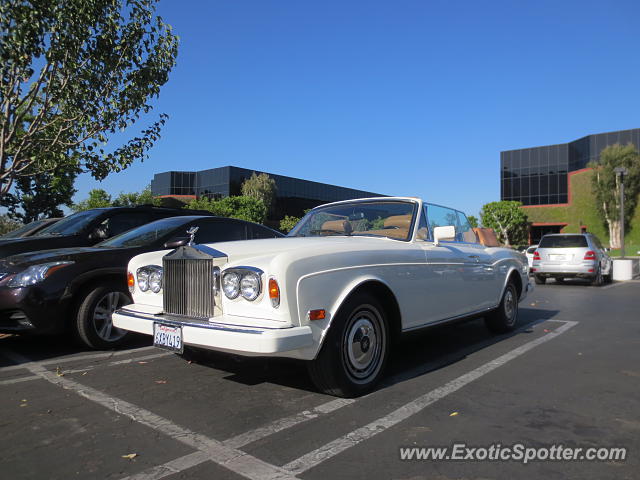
(329, 291)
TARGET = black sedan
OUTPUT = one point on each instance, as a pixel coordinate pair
(77, 289)
(83, 229)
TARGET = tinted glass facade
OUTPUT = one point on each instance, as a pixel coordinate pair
(292, 198)
(538, 175)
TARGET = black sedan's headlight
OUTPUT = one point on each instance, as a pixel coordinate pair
(36, 273)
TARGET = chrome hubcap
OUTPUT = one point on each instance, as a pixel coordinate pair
(363, 344)
(510, 306)
(102, 316)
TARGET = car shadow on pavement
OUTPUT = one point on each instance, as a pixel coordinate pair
(416, 354)
(41, 348)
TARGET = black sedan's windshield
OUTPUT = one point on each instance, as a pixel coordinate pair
(71, 224)
(146, 234)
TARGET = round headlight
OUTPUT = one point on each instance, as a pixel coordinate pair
(155, 280)
(143, 279)
(231, 284)
(250, 286)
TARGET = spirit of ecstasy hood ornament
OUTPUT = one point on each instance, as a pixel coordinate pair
(192, 234)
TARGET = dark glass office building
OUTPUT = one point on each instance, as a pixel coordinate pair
(293, 196)
(538, 175)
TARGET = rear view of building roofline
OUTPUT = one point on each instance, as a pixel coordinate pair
(538, 175)
(542, 179)
(293, 195)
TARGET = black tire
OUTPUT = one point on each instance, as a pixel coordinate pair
(504, 318)
(559, 280)
(539, 280)
(93, 318)
(598, 279)
(359, 327)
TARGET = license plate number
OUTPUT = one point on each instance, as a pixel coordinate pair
(556, 257)
(167, 337)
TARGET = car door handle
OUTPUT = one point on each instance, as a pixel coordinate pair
(474, 256)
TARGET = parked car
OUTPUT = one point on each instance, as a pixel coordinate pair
(572, 255)
(83, 229)
(529, 251)
(349, 278)
(29, 229)
(78, 288)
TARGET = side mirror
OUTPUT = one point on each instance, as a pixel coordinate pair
(443, 233)
(176, 242)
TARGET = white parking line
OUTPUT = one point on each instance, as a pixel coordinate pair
(314, 458)
(90, 356)
(193, 459)
(234, 460)
(19, 380)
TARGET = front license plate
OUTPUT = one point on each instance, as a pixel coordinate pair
(167, 337)
(556, 257)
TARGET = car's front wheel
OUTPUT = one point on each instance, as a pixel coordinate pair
(355, 350)
(503, 319)
(93, 324)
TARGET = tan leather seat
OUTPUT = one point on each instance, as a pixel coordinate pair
(400, 221)
(487, 237)
(337, 226)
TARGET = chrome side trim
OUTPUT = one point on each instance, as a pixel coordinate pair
(451, 319)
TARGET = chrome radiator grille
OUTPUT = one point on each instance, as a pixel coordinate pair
(188, 287)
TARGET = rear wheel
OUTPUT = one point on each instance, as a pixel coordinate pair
(503, 319)
(540, 280)
(93, 324)
(598, 279)
(355, 350)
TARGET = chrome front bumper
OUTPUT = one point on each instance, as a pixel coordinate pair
(293, 342)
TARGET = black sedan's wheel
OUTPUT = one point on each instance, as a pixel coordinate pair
(93, 320)
(355, 351)
(503, 319)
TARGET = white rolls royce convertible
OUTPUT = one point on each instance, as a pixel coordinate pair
(349, 279)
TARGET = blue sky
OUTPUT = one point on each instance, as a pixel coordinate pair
(399, 97)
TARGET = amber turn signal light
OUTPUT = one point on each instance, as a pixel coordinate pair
(274, 292)
(317, 314)
(131, 281)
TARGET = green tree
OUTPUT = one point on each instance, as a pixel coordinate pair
(473, 221)
(72, 74)
(145, 197)
(98, 198)
(261, 187)
(508, 220)
(606, 186)
(287, 223)
(41, 195)
(8, 225)
(242, 207)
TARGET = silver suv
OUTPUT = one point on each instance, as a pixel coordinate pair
(573, 255)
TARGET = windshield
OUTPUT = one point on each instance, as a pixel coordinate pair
(145, 234)
(377, 219)
(26, 228)
(71, 224)
(563, 241)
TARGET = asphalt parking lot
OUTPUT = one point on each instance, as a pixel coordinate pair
(569, 375)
